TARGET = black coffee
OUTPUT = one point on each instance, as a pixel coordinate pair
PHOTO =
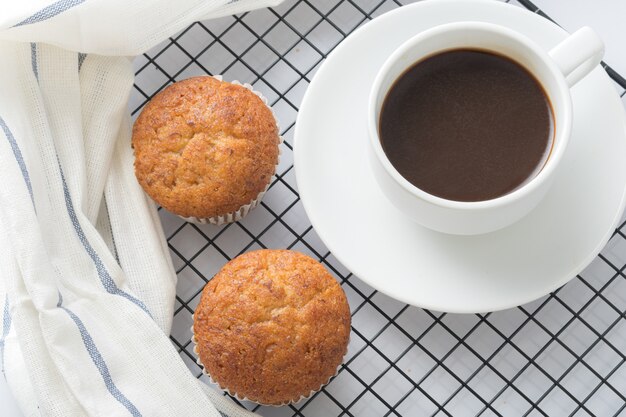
(467, 125)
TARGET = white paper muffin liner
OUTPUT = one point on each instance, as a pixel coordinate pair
(242, 211)
(240, 398)
(233, 216)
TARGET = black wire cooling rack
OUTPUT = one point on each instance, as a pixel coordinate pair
(561, 355)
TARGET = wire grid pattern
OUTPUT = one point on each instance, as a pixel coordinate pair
(561, 355)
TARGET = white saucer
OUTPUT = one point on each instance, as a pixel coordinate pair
(432, 270)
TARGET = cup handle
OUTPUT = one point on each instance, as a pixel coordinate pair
(577, 55)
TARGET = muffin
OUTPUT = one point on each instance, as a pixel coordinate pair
(272, 327)
(206, 149)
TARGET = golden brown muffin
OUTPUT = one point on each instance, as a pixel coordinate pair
(204, 147)
(272, 326)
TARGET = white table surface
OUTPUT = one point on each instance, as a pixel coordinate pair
(607, 17)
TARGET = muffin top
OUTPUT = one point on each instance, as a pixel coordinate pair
(272, 326)
(204, 147)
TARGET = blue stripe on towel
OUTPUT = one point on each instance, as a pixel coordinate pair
(18, 157)
(98, 360)
(81, 59)
(105, 277)
(6, 326)
(50, 11)
(33, 59)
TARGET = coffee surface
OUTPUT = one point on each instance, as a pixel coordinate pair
(466, 125)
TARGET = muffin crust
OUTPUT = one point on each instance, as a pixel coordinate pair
(204, 147)
(272, 326)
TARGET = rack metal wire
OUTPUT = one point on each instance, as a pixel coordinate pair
(561, 355)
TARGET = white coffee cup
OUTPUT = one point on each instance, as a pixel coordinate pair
(556, 70)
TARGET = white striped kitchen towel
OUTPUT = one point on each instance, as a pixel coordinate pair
(86, 282)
